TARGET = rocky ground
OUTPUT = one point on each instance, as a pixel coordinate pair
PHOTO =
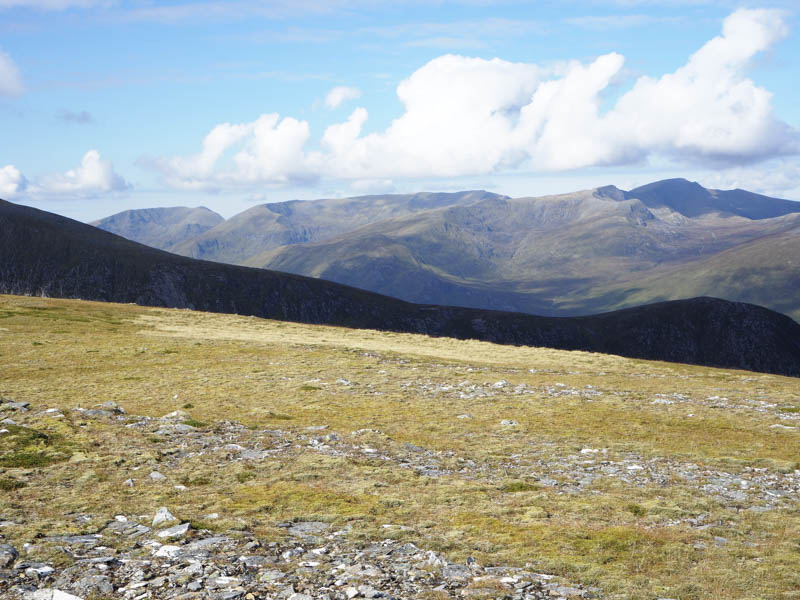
(165, 454)
(157, 556)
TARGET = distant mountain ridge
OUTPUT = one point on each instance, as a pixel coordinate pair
(272, 225)
(692, 200)
(569, 254)
(47, 254)
(161, 228)
(577, 253)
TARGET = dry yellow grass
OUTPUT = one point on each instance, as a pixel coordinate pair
(504, 494)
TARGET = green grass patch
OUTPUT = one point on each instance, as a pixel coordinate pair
(9, 484)
(519, 486)
(245, 476)
(30, 460)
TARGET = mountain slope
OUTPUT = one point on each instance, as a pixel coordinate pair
(691, 200)
(568, 254)
(765, 271)
(268, 226)
(160, 227)
(52, 255)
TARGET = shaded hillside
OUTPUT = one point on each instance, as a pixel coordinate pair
(47, 254)
(160, 227)
(569, 254)
(691, 200)
(268, 226)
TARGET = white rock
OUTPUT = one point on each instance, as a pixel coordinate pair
(53, 594)
(163, 516)
(43, 571)
(168, 551)
(176, 531)
(156, 476)
(175, 415)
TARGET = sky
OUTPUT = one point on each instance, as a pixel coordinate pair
(109, 105)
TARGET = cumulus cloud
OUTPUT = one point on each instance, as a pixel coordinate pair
(471, 116)
(94, 176)
(778, 178)
(10, 81)
(341, 94)
(708, 108)
(12, 182)
(268, 150)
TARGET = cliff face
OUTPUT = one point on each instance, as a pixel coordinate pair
(46, 254)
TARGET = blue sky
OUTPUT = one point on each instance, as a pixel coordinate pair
(108, 105)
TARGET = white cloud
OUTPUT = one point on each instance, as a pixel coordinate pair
(471, 116)
(93, 177)
(708, 108)
(340, 94)
(266, 151)
(778, 178)
(12, 182)
(373, 186)
(10, 81)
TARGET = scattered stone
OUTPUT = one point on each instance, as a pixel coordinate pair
(8, 554)
(163, 515)
(94, 585)
(177, 415)
(174, 532)
(156, 476)
(51, 594)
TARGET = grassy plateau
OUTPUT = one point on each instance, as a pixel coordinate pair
(642, 479)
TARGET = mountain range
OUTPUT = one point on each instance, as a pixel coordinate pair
(570, 254)
(46, 254)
